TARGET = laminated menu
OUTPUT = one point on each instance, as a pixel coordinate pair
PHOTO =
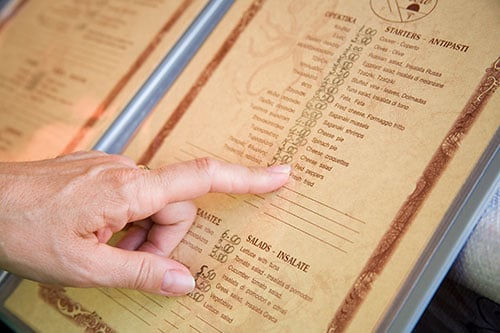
(383, 109)
(67, 68)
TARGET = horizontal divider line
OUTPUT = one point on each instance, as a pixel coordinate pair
(323, 216)
(312, 223)
(325, 205)
(306, 233)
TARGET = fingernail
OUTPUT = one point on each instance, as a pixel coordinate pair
(283, 168)
(177, 282)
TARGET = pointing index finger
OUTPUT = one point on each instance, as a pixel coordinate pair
(191, 179)
(194, 178)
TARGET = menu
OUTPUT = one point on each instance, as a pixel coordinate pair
(67, 68)
(383, 109)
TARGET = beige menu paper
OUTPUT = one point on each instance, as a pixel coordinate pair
(67, 68)
(383, 108)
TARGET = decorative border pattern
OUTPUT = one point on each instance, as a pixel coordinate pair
(58, 299)
(102, 107)
(99, 111)
(413, 203)
(201, 81)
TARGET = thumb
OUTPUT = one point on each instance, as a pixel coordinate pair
(119, 268)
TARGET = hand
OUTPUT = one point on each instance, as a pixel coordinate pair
(57, 215)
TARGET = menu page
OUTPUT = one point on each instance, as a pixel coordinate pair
(383, 108)
(64, 66)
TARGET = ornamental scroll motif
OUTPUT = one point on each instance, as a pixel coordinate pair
(407, 212)
(57, 298)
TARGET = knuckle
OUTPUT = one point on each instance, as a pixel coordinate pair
(207, 168)
(143, 276)
(121, 159)
(118, 185)
(206, 165)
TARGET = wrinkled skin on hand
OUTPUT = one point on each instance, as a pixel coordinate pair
(57, 215)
